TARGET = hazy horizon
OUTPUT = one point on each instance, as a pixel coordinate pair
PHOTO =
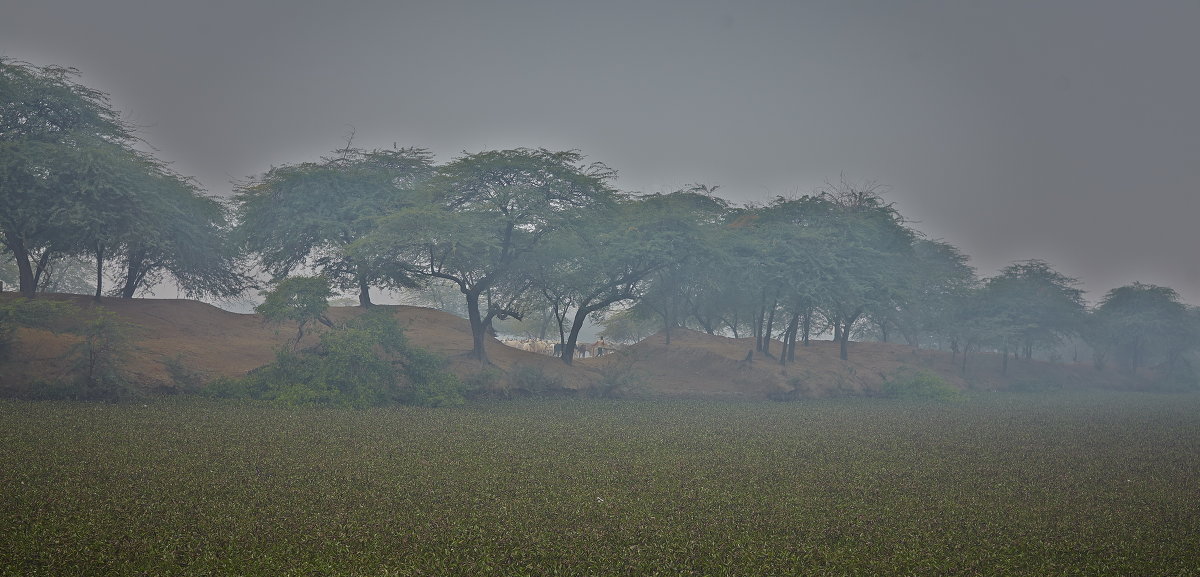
(1060, 131)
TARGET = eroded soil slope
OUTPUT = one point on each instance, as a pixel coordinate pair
(212, 342)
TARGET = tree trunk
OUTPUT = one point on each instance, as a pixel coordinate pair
(791, 350)
(135, 272)
(845, 334)
(788, 351)
(760, 321)
(477, 329)
(40, 272)
(568, 352)
(99, 270)
(130, 287)
(26, 282)
(364, 291)
(770, 326)
(787, 333)
(581, 315)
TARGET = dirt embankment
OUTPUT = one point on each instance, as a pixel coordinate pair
(213, 342)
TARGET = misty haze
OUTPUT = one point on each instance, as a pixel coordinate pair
(545, 288)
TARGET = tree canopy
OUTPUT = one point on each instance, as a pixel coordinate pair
(490, 213)
(1141, 322)
(74, 183)
(520, 230)
(300, 299)
(182, 234)
(308, 214)
(63, 151)
(1032, 305)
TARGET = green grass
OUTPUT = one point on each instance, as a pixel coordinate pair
(1019, 484)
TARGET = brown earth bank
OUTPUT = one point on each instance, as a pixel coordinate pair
(212, 342)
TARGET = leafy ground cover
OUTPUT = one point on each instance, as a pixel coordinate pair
(995, 484)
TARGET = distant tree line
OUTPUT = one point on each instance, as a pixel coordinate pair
(534, 232)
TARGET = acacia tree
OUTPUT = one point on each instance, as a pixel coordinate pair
(611, 256)
(870, 261)
(183, 234)
(941, 281)
(698, 227)
(792, 259)
(753, 287)
(1030, 305)
(73, 184)
(109, 201)
(308, 214)
(1140, 322)
(487, 213)
(50, 126)
(687, 225)
(104, 196)
(300, 299)
(975, 323)
(118, 205)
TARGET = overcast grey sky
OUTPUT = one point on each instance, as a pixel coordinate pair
(1060, 130)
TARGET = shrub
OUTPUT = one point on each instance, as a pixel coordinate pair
(344, 369)
(798, 387)
(94, 364)
(307, 393)
(487, 382)
(354, 366)
(367, 362)
(229, 388)
(299, 299)
(919, 384)
(533, 380)
(443, 391)
(100, 355)
(801, 386)
(181, 374)
(620, 380)
(429, 384)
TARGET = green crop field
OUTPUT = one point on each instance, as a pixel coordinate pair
(995, 484)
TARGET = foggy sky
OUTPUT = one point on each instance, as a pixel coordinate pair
(1060, 130)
